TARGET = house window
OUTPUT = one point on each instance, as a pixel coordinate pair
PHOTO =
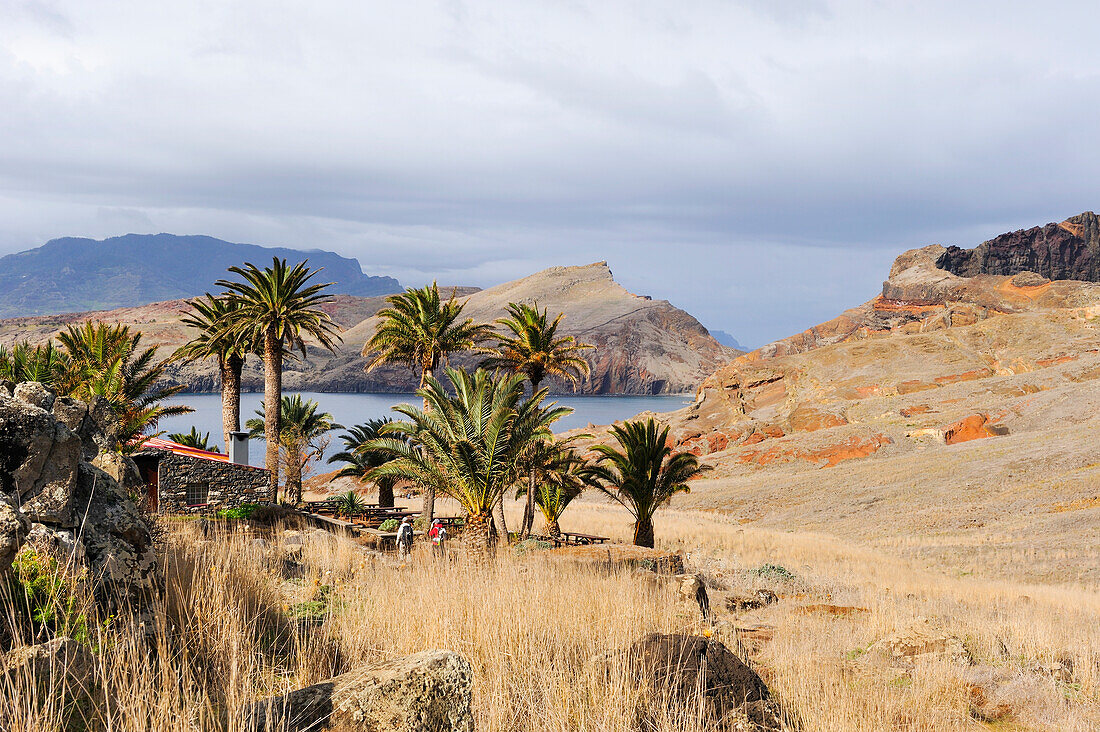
(197, 494)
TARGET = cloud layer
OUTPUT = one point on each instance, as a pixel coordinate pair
(757, 163)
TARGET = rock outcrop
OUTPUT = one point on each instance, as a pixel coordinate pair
(430, 691)
(679, 667)
(49, 476)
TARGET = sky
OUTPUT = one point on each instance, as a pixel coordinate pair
(758, 163)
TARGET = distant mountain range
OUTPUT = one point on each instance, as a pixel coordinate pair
(728, 340)
(76, 274)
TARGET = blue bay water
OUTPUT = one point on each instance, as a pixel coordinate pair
(352, 409)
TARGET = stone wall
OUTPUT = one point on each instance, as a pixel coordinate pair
(227, 484)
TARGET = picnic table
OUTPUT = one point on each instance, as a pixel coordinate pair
(577, 539)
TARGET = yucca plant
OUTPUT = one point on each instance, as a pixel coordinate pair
(277, 308)
(467, 446)
(643, 473)
(349, 504)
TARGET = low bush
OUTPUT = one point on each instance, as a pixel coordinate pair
(389, 525)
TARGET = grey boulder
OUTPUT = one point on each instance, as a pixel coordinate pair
(424, 692)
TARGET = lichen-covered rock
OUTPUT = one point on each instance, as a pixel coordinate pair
(38, 461)
(117, 541)
(921, 640)
(92, 422)
(61, 668)
(424, 692)
(14, 528)
(60, 544)
(35, 394)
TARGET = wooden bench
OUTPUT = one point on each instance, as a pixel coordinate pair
(577, 539)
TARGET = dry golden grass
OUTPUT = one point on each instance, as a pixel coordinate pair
(531, 626)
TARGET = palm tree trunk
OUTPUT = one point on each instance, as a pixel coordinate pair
(643, 532)
(428, 509)
(231, 367)
(499, 524)
(476, 538)
(529, 506)
(273, 394)
(385, 494)
(552, 529)
(293, 475)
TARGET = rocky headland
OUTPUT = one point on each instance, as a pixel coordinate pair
(643, 346)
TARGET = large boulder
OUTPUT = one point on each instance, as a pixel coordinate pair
(14, 528)
(62, 664)
(677, 667)
(425, 692)
(117, 541)
(58, 468)
(38, 461)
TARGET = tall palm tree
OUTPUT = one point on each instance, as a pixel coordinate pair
(194, 439)
(643, 474)
(301, 428)
(359, 459)
(560, 476)
(535, 350)
(108, 362)
(277, 307)
(213, 316)
(467, 446)
(420, 330)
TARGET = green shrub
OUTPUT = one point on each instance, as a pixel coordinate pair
(50, 597)
(244, 511)
(532, 545)
(389, 525)
(773, 571)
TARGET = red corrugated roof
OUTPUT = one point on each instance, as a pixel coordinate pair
(159, 443)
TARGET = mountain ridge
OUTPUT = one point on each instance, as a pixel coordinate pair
(643, 346)
(74, 274)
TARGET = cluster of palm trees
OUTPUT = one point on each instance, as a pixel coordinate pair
(477, 437)
(269, 312)
(95, 361)
(481, 435)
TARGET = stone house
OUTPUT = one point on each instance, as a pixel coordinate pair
(181, 479)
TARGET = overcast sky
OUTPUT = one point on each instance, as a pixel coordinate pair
(757, 162)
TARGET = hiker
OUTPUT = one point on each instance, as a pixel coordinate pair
(404, 538)
(438, 535)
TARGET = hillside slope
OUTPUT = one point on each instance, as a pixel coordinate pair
(952, 418)
(643, 346)
(73, 274)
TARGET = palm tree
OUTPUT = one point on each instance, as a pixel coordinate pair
(194, 439)
(45, 363)
(359, 460)
(278, 308)
(301, 428)
(535, 350)
(644, 474)
(108, 362)
(420, 330)
(467, 446)
(560, 476)
(213, 317)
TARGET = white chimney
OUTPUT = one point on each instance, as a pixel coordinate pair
(238, 448)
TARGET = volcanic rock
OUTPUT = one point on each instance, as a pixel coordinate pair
(424, 692)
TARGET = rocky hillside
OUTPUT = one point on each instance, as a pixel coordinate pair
(643, 346)
(944, 405)
(73, 274)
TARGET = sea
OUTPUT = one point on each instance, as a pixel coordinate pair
(352, 409)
